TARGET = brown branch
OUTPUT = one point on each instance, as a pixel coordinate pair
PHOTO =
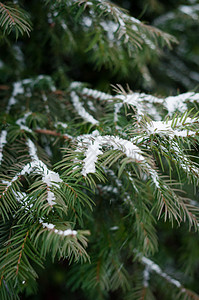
(51, 132)
(7, 11)
(20, 254)
(4, 87)
(143, 293)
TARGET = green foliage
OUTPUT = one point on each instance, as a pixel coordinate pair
(104, 183)
(14, 18)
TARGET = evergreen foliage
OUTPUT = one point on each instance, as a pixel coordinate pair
(13, 18)
(102, 179)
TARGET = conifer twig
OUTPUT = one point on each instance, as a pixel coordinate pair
(51, 132)
(20, 254)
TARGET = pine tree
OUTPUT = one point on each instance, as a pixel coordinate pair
(96, 176)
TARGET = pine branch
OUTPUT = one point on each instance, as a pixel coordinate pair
(51, 132)
(17, 259)
(183, 292)
(129, 27)
(14, 18)
(122, 155)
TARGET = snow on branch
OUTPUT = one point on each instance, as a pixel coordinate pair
(89, 93)
(142, 102)
(185, 163)
(179, 102)
(81, 110)
(19, 88)
(171, 103)
(67, 232)
(146, 276)
(94, 143)
(124, 25)
(2, 143)
(21, 122)
(63, 126)
(50, 178)
(45, 99)
(190, 10)
(94, 146)
(167, 128)
(95, 94)
(153, 267)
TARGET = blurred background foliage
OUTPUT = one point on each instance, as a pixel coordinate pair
(63, 52)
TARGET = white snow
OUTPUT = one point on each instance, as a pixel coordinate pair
(81, 110)
(110, 27)
(173, 103)
(94, 145)
(66, 232)
(91, 158)
(45, 99)
(93, 93)
(165, 128)
(117, 107)
(87, 21)
(142, 102)
(94, 142)
(183, 160)
(20, 195)
(17, 89)
(91, 106)
(191, 11)
(154, 176)
(75, 84)
(2, 143)
(146, 277)
(155, 268)
(49, 226)
(64, 125)
(21, 122)
(50, 178)
(114, 228)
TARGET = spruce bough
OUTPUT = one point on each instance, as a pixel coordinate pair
(91, 177)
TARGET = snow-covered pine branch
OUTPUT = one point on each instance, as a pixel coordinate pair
(171, 128)
(24, 87)
(81, 110)
(143, 103)
(121, 160)
(153, 267)
(22, 121)
(36, 166)
(18, 88)
(94, 144)
(67, 232)
(126, 26)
